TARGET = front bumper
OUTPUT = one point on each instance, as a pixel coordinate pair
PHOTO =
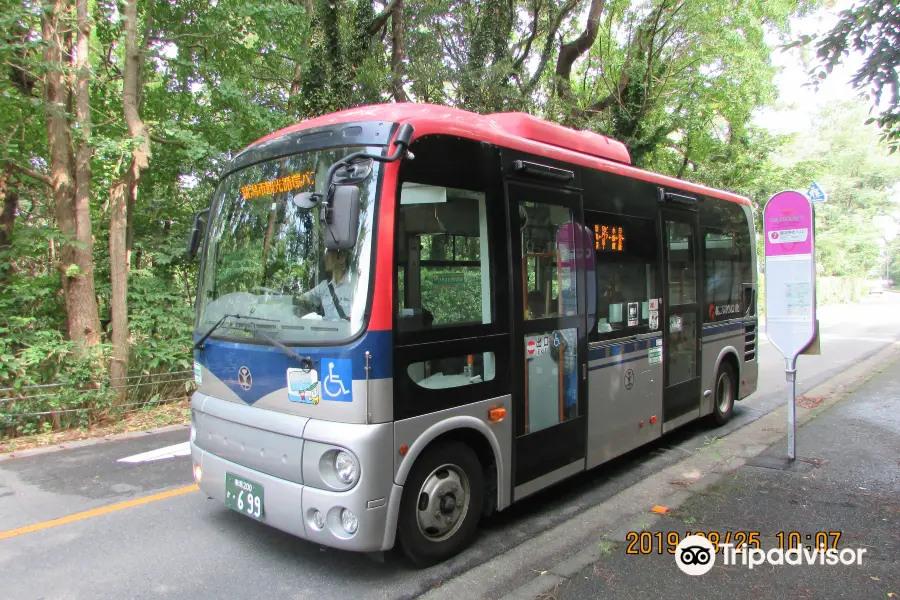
(289, 457)
(289, 506)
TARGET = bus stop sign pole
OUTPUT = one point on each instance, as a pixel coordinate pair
(789, 231)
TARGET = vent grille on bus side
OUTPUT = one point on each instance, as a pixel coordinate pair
(749, 342)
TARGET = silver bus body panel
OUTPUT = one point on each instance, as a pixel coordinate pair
(264, 451)
(750, 370)
(418, 432)
(245, 440)
(615, 413)
(548, 479)
(681, 420)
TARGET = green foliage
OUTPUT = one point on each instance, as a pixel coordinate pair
(678, 82)
(859, 176)
(872, 28)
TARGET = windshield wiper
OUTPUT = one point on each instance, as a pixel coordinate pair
(303, 360)
(199, 344)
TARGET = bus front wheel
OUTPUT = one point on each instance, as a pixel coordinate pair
(725, 393)
(441, 504)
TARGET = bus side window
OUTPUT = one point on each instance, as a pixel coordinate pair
(625, 258)
(548, 260)
(729, 290)
(455, 371)
(443, 271)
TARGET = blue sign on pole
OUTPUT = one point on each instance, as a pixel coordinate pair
(816, 194)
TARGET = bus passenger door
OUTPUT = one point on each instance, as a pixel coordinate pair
(683, 320)
(548, 245)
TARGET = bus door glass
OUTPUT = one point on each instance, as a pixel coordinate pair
(681, 348)
(549, 246)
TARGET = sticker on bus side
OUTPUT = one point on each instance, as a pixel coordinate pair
(537, 345)
(655, 356)
(198, 373)
(632, 314)
(303, 386)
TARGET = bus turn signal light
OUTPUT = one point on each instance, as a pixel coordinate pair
(404, 449)
(653, 419)
(497, 414)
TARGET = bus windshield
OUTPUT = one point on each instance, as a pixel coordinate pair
(265, 268)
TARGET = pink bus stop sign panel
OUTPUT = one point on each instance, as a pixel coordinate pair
(788, 223)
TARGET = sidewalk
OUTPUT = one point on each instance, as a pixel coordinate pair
(848, 481)
(848, 438)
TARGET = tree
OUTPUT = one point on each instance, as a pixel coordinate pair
(70, 196)
(124, 191)
(859, 175)
(90, 90)
(873, 29)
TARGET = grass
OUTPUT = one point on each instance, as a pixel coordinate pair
(142, 419)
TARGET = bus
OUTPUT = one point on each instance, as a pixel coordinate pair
(411, 316)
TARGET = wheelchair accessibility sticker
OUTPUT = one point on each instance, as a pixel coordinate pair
(337, 380)
(303, 386)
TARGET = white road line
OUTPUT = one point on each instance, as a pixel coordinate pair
(182, 449)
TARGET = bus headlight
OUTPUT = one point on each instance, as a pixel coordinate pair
(345, 467)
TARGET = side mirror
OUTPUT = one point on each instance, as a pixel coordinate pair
(340, 218)
(196, 236)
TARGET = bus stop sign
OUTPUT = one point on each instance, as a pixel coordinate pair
(790, 273)
(789, 227)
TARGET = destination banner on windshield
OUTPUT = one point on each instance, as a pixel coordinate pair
(274, 186)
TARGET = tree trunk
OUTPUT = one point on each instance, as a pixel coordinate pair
(76, 250)
(570, 52)
(123, 196)
(9, 196)
(397, 53)
(118, 274)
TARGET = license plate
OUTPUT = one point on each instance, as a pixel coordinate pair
(244, 496)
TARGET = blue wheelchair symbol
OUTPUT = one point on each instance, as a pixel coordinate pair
(337, 379)
(556, 339)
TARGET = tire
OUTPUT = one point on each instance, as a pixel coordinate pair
(724, 393)
(440, 475)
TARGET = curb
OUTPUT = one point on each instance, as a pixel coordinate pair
(90, 442)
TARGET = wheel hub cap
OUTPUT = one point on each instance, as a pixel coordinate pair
(443, 503)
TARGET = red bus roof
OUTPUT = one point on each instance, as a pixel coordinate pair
(518, 131)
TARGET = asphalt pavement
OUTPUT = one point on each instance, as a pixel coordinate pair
(179, 544)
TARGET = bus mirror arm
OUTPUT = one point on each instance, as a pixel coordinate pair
(401, 144)
(339, 205)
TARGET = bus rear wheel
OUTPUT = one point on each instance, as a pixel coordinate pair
(725, 393)
(441, 504)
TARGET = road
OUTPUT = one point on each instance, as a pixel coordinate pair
(177, 543)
